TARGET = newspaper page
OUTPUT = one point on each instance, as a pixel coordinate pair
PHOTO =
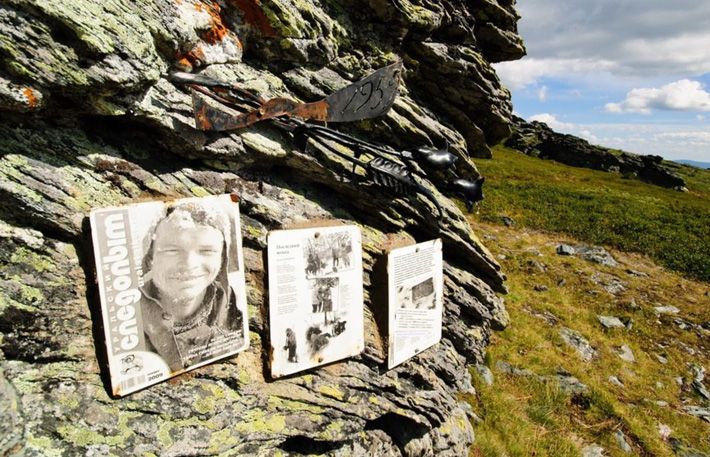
(171, 284)
(315, 297)
(415, 289)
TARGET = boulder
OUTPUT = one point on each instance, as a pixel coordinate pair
(91, 119)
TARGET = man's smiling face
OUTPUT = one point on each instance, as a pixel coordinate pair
(186, 258)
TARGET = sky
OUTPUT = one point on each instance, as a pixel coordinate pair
(626, 74)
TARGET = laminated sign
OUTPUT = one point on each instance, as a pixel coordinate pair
(315, 297)
(171, 283)
(415, 289)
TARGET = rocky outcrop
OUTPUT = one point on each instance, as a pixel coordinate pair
(91, 119)
(538, 140)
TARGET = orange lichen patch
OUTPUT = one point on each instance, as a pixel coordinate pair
(217, 33)
(32, 100)
(254, 15)
(218, 30)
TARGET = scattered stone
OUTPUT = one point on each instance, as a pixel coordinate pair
(596, 254)
(540, 288)
(505, 367)
(579, 343)
(610, 322)
(621, 441)
(593, 450)
(565, 249)
(698, 411)
(698, 374)
(664, 431)
(626, 354)
(661, 403)
(486, 374)
(670, 309)
(683, 450)
(546, 316)
(610, 283)
(640, 274)
(679, 380)
(659, 385)
(569, 384)
(501, 257)
(616, 381)
(537, 265)
(683, 324)
(507, 221)
(561, 282)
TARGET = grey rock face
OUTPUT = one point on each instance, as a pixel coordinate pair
(91, 119)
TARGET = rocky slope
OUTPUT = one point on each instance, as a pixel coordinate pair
(90, 119)
(538, 140)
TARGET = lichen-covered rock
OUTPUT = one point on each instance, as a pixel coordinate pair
(91, 119)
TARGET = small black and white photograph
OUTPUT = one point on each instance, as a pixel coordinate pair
(172, 286)
(327, 253)
(315, 297)
(418, 296)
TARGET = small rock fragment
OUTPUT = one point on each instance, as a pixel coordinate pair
(670, 309)
(610, 322)
(486, 374)
(592, 450)
(579, 343)
(616, 381)
(626, 354)
(565, 249)
(621, 441)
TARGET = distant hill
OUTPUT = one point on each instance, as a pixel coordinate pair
(537, 139)
(695, 163)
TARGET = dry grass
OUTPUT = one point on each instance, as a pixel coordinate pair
(522, 416)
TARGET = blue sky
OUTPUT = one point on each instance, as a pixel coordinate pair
(628, 74)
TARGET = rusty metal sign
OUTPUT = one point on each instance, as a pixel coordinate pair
(228, 107)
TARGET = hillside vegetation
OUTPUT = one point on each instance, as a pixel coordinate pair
(671, 227)
(558, 381)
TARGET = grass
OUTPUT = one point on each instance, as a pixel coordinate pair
(597, 207)
(648, 229)
(522, 416)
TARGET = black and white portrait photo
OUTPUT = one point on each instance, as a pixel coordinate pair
(172, 286)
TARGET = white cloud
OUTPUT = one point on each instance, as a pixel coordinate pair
(671, 141)
(542, 94)
(633, 39)
(552, 122)
(521, 73)
(683, 95)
